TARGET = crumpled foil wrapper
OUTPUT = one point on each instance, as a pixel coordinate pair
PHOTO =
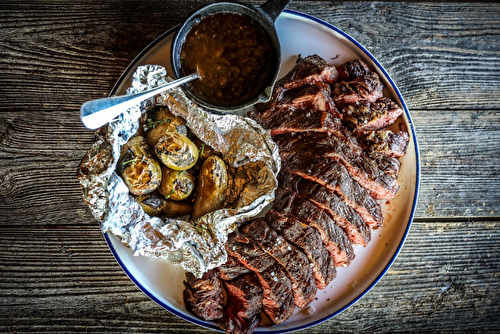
(198, 245)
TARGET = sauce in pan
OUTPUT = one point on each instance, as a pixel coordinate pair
(233, 55)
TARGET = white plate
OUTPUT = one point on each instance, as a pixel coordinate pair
(299, 34)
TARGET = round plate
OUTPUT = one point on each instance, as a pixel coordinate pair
(299, 34)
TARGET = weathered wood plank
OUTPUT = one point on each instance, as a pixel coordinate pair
(66, 279)
(441, 55)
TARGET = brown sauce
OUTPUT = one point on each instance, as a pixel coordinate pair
(233, 55)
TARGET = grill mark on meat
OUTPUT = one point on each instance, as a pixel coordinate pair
(308, 240)
(278, 302)
(336, 178)
(317, 96)
(203, 296)
(363, 115)
(335, 240)
(365, 87)
(308, 71)
(244, 303)
(356, 228)
(296, 120)
(293, 261)
(327, 199)
(232, 269)
(386, 142)
(352, 69)
(382, 183)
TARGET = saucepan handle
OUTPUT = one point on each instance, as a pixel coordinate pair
(273, 8)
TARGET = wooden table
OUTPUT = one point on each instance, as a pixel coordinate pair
(56, 271)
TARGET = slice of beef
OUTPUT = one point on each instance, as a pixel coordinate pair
(293, 261)
(363, 115)
(232, 269)
(278, 302)
(385, 142)
(298, 198)
(308, 240)
(330, 201)
(351, 69)
(365, 87)
(317, 96)
(296, 120)
(382, 183)
(336, 178)
(308, 71)
(203, 296)
(244, 303)
(289, 203)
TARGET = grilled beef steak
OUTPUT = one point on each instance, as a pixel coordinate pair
(365, 87)
(244, 303)
(293, 261)
(203, 296)
(308, 240)
(278, 302)
(364, 115)
(385, 142)
(382, 183)
(352, 69)
(335, 240)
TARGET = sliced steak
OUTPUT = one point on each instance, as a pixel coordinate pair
(289, 203)
(363, 115)
(297, 193)
(244, 303)
(296, 120)
(232, 269)
(308, 71)
(308, 240)
(365, 87)
(385, 142)
(293, 261)
(382, 183)
(203, 296)
(336, 178)
(278, 302)
(352, 69)
(317, 96)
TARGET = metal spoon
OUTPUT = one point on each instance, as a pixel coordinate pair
(97, 113)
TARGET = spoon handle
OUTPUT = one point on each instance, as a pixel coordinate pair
(97, 113)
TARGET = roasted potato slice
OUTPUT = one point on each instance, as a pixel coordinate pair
(176, 185)
(138, 167)
(156, 205)
(212, 187)
(176, 151)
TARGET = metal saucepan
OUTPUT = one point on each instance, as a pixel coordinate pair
(264, 15)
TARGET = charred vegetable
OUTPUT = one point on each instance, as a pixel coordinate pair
(138, 167)
(156, 205)
(176, 185)
(161, 121)
(212, 187)
(176, 151)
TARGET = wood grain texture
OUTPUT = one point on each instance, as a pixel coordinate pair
(56, 271)
(66, 280)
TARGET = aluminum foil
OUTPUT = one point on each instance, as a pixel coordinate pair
(198, 245)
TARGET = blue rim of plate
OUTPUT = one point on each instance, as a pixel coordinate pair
(208, 325)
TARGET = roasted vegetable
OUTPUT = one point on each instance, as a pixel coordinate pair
(176, 151)
(212, 187)
(138, 167)
(156, 205)
(160, 121)
(176, 185)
